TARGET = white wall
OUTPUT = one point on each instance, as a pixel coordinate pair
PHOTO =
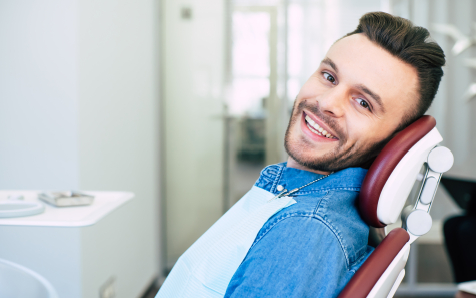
(79, 105)
(38, 95)
(118, 114)
(193, 67)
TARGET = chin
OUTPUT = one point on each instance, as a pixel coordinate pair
(306, 153)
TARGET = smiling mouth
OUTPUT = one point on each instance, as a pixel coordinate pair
(318, 130)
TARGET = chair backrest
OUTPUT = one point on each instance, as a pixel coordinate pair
(384, 192)
(391, 176)
(375, 266)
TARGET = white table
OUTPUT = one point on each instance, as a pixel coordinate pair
(79, 250)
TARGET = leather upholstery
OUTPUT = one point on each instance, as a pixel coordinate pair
(369, 273)
(385, 163)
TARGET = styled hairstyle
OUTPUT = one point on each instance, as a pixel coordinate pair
(410, 44)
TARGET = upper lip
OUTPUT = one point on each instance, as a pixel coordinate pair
(318, 121)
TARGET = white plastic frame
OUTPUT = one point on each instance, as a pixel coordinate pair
(399, 184)
(392, 277)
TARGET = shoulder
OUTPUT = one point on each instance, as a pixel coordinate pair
(299, 243)
(330, 217)
(297, 256)
(339, 209)
(299, 213)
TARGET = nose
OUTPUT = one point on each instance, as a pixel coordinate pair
(333, 101)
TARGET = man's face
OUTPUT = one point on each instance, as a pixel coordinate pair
(358, 96)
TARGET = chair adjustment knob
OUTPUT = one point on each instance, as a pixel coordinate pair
(418, 222)
(440, 159)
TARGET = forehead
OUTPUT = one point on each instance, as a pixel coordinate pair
(361, 61)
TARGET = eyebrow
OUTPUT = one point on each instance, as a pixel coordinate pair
(331, 63)
(361, 87)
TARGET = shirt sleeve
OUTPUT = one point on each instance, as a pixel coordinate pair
(297, 257)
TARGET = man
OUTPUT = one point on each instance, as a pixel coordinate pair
(372, 83)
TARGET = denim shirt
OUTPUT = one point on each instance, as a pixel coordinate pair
(312, 248)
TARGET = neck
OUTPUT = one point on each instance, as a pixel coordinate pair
(294, 164)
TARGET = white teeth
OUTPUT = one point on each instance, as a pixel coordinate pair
(315, 128)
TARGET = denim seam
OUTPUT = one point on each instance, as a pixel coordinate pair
(327, 189)
(275, 222)
(321, 213)
(276, 180)
(305, 214)
(339, 238)
(357, 261)
(316, 210)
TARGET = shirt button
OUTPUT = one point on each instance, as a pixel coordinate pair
(280, 188)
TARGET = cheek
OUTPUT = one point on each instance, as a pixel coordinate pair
(361, 130)
(364, 131)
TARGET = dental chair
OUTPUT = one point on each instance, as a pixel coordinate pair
(411, 160)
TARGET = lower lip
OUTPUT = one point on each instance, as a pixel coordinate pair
(312, 135)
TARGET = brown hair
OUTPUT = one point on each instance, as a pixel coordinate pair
(410, 44)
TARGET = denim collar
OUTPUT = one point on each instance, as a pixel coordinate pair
(291, 178)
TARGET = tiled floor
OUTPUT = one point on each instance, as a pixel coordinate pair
(433, 264)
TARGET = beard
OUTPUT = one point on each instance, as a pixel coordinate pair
(339, 158)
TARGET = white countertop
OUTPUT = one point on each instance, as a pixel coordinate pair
(79, 216)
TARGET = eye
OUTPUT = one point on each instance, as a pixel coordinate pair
(363, 103)
(329, 77)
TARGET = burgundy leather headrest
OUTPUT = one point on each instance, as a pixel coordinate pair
(385, 163)
(372, 269)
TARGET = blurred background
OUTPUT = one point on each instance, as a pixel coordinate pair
(185, 102)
